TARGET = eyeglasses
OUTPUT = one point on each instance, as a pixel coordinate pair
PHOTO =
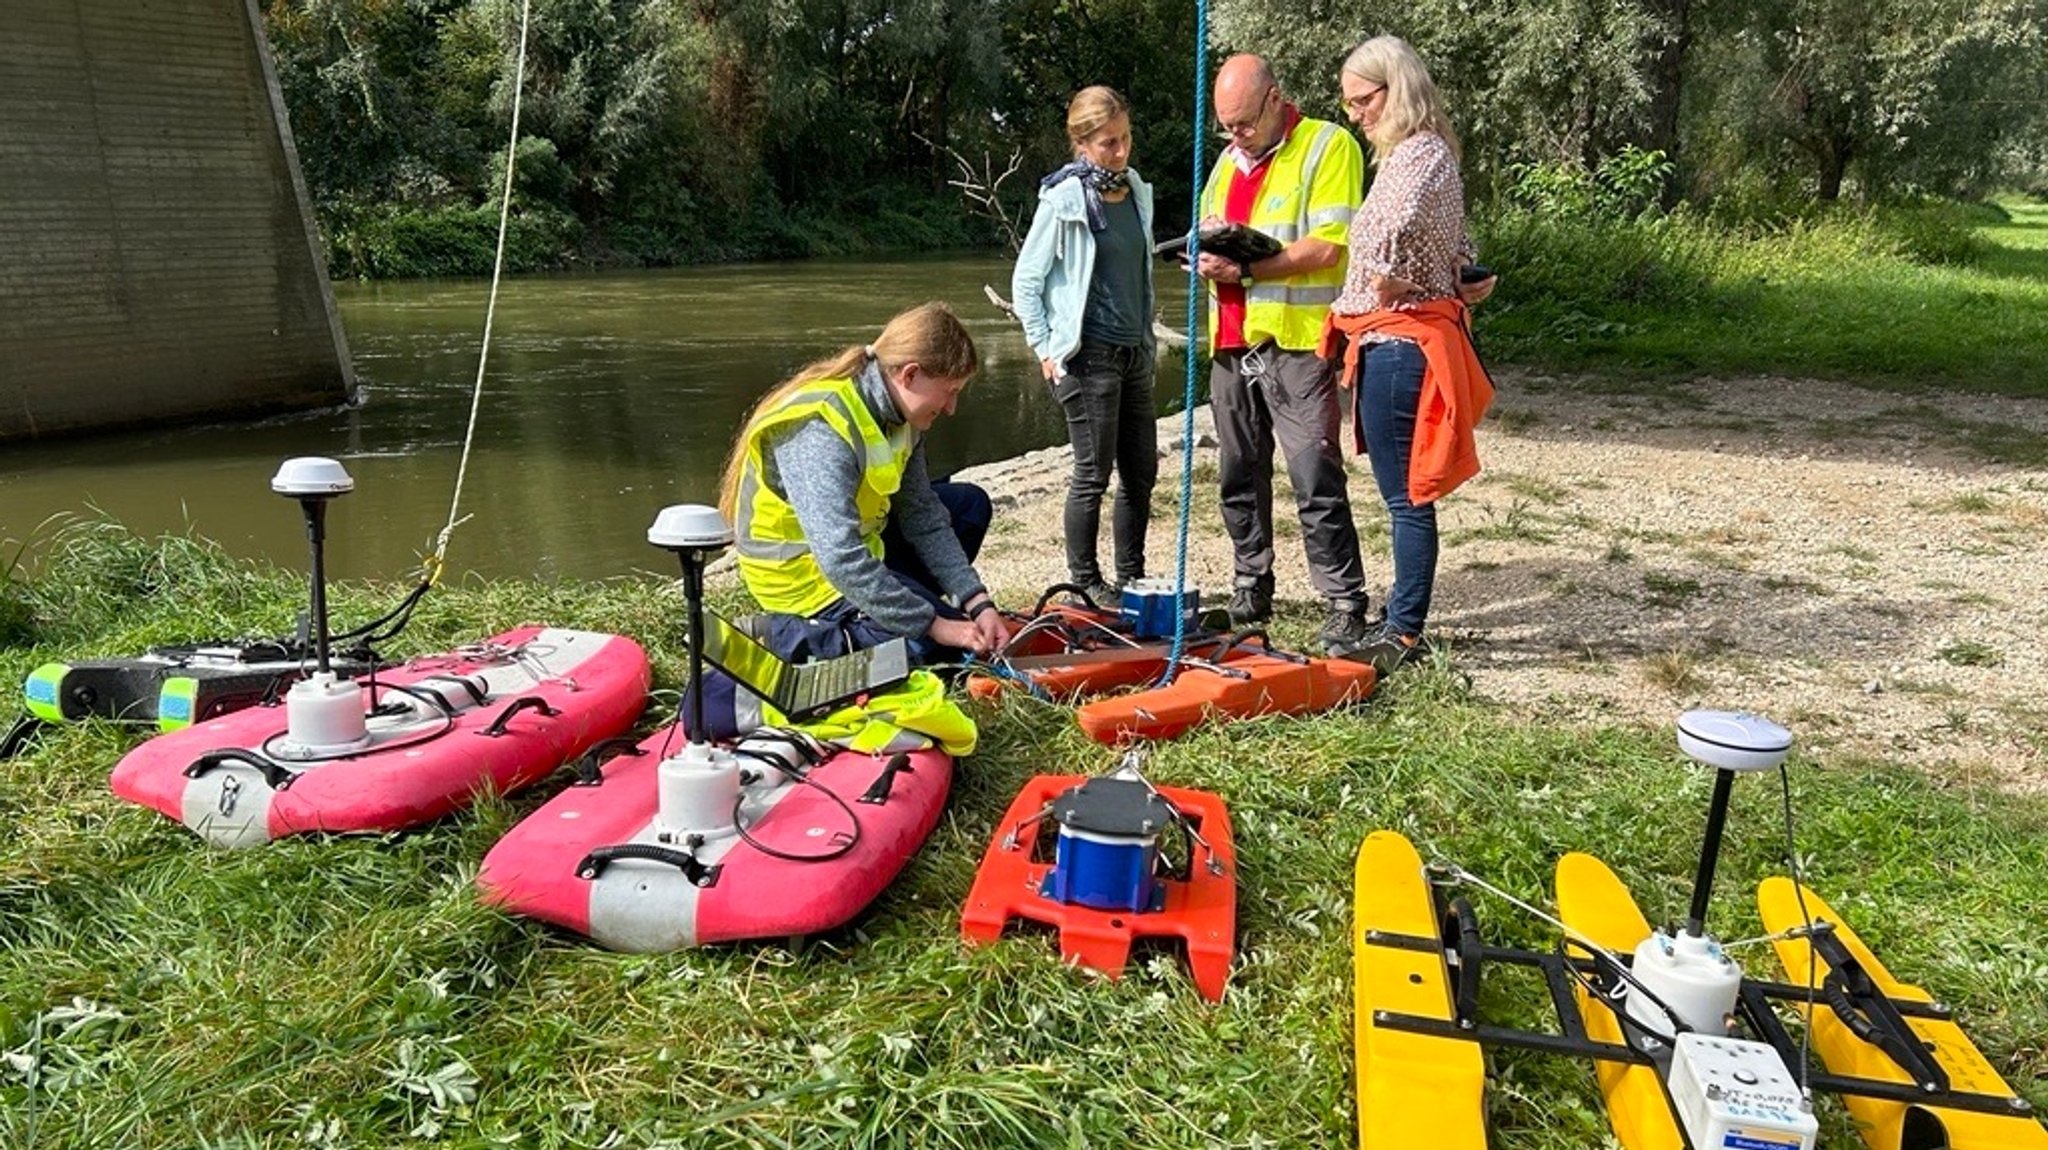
(1358, 103)
(1251, 126)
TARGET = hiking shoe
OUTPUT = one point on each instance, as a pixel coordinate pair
(1345, 628)
(1103, 596)
(1387, 650)
(1251, 601)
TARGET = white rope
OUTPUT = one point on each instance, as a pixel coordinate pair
(1572, 935)
(455, 518)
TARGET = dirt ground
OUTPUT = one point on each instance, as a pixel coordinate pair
(1863, 567)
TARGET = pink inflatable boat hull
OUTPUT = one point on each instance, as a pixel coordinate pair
(731, 889)
(486, 719)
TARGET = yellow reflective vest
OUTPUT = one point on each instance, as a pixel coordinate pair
(909, 717)
(1313, 186)
(775, 560)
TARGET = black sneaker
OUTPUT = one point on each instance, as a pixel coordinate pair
(1096, 593)
(1387, 650)
(1251, 601)
(1345, 628)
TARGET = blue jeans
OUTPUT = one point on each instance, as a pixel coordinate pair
(1107, 397)
(1388, 395)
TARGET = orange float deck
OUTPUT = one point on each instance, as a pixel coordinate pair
(1200, 910)
(1256, 684)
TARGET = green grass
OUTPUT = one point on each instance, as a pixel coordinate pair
(352, 991)
(1863, 297)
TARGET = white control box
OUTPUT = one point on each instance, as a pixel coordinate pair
(1735, 1094)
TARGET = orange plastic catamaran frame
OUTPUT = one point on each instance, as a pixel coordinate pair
(1064, 649)
(1200, 905)
(1241, 682)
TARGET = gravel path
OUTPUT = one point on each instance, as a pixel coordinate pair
(1861, 566)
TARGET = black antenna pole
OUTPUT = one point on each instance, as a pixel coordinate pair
(316, 537)
(693, 590)
(1710, 853)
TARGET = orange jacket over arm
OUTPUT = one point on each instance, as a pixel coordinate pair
(1455, 388)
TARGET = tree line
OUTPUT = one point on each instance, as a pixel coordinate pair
(671, 131)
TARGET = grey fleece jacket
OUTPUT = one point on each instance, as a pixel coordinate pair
(818, 472)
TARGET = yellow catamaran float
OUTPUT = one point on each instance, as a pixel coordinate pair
(1691, 1054)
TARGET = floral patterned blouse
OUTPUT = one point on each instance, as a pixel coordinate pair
(1411, 227)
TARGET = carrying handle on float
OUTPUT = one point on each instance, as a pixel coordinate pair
(878, 791)
(1045, 600)
(1870, 1016)
(522, 703)
(427, 690)
(1461, 935)
(275, 775)
(1266, 647)
(1215, 661)
(595, 863)
(588, 766)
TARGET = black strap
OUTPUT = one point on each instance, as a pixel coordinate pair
(276, 775)
(1461, 937)
(522, 703)
(594, 864)
(1074, 589)
(588, 772)
(20, 735)
(878, 791)
(477, 695)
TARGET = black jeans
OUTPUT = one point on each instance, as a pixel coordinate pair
(1107, 397)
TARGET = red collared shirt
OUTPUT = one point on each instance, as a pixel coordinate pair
(1238, 198)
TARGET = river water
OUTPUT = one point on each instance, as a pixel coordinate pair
(608, 396)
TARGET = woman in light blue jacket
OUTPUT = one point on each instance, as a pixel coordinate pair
(1083, 290)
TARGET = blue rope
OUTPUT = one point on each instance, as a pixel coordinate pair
(1197, 294)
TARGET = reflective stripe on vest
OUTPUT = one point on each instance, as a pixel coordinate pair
(1288, 311)
(910, 716)
(775, 560)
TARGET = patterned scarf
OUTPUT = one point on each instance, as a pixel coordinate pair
(1094, 182)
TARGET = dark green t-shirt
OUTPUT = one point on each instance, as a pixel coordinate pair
(1116, 292)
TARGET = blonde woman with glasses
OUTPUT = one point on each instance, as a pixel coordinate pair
(1417, 386)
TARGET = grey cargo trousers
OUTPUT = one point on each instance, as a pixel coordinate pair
(1258, 394)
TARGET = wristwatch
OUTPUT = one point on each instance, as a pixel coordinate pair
(1244, 271)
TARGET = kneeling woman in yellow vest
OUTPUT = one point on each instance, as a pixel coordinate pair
(841, 534)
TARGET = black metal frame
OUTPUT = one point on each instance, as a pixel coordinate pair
(1872, 1015)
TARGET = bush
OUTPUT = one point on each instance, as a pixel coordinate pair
(1935, 232)
(1625, 185)
(1590, 263)
(393, 242)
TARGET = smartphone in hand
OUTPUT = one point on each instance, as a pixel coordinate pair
(1474, 273)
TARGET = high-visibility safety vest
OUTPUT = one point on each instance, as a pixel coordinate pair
(775, 559)
(1313, 185)
(911, 716)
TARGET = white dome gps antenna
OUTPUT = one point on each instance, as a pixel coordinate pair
(698, 789)
(323, 715)
(695, 533)
(1687, 971)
